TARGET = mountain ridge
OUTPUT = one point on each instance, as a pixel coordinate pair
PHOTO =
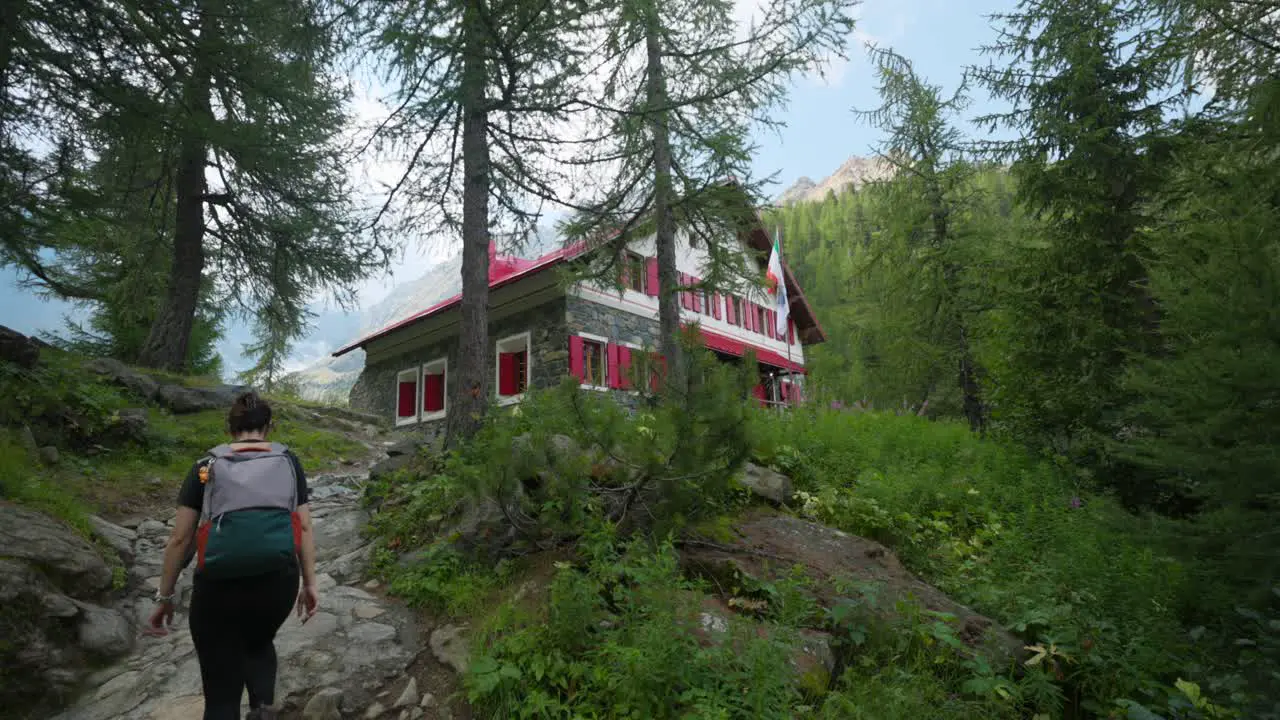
(854, 172)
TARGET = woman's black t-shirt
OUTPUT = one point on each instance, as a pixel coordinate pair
(192, 493)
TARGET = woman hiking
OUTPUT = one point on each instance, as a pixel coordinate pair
(243, 516)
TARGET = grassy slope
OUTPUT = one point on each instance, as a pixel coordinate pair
(131, 479)
(1022, 539)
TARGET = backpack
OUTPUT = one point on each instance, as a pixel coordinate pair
(248, 522)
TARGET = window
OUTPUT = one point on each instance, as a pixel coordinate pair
(620, 370)
(589, 360)
(735, 310)
(594, 371)
(407, 396)
(762, 319)
(634, 272)
(435, 399)
(513, 368)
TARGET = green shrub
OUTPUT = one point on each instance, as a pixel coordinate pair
(617, 640)
(670, 462)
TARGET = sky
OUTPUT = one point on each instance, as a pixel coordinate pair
(940, 37)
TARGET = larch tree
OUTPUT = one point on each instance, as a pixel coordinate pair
(246, 119)
(482, 89)
(925, 206)
(682, 85)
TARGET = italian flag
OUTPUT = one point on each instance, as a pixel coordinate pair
(778, 289)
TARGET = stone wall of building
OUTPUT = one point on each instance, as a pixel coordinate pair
(375, 391)
(584, 316)
(616, 325)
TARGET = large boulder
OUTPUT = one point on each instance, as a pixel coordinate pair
(54, 549)
(768, 545)
(181, 399)
(126, 425)
(138, 383)
(768, 484)
(52, 588)
(176, 397)
(18, 348)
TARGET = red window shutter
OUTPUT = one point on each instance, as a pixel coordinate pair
(771, 324)
(651, 282)
(433, 393)
(659, 372)
(612, 370)
(697, 298)
(624, 368)
(791, 331)
(715, 305)
(729, 315)
(507, 373)
(575, 357)
(684, 294)
(406, 402)
(749, 315)
(758, 391)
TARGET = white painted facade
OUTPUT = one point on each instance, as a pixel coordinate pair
(693, 261)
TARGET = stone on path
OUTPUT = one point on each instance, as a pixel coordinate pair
(409, 696)
(324, 705)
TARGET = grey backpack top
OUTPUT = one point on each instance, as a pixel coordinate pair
(242, 478)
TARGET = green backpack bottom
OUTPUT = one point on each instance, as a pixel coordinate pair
(248, 542)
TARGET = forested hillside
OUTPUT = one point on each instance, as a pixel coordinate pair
(1102, 290)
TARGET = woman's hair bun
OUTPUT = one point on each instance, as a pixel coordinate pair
(249, 412)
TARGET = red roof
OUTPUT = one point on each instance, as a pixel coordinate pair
(504, 270)
(729, 346)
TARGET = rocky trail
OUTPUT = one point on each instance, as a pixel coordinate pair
(361, 656)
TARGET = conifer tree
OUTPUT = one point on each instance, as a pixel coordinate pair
(1089, 82)
(246, 121)
(683, 85)
(925, 205)
(481, 86)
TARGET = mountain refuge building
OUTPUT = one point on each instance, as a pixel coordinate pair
(540, 331)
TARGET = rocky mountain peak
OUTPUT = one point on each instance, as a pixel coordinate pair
(854, 172)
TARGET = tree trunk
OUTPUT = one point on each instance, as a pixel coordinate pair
(668, 279)
(170, 335)
(971, 393)
(8, 32)
(470, 394)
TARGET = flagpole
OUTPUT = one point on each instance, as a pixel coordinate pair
(786, 333)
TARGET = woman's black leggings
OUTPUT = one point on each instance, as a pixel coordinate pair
(233, 626)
